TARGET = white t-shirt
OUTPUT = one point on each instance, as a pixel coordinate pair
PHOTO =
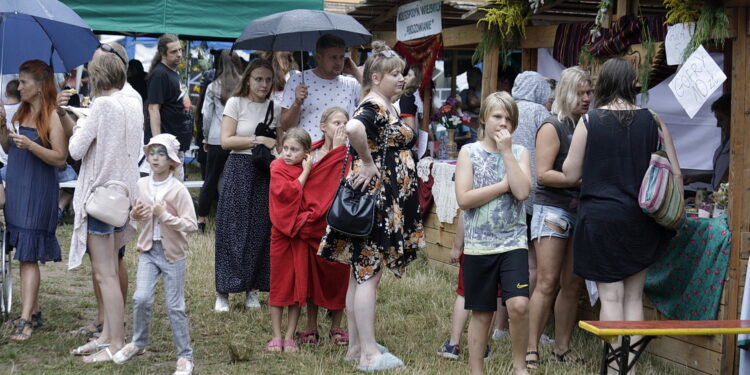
(321, 94)
(248, 115)
(159, 188)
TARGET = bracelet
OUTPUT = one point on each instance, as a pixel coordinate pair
(64, 112)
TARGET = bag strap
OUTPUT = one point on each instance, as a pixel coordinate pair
(120, 184)
(660, 135)
(349, 150)
(269, 113)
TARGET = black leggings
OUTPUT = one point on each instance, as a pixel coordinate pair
(216, 157)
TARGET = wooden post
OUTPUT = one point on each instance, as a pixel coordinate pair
(529, 59)
(354, 54)
(454, 72)
(739, 175)
(490, 65)
(427, 105)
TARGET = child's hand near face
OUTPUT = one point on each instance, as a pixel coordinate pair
(339, 136)
(504, 140)
(307, 163)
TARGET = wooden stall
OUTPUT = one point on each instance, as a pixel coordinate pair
(695, 354)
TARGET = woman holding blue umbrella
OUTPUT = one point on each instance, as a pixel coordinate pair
(36, 147)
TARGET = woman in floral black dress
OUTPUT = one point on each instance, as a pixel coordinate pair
(398, 231)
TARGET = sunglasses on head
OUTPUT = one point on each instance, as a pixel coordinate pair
(389, 53)
(107, 48)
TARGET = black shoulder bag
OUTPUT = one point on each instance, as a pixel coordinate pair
(353, 211)
(261, 155)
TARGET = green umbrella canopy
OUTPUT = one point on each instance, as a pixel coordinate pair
(202, 19)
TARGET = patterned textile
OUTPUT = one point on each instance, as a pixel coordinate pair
(398, 231)
(422, 51)
(444, 191)
(687, 281)
(570, 38)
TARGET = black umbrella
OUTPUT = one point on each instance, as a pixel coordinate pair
(298, 30)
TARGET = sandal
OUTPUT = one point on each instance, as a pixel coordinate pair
(89, 330)
(89, 348)
(103, 355)
(290, 346)
(532, 364)
(275, 346)
(310, 337)
(563, 358)
(21, 333)
(36, 321)
(339, 337)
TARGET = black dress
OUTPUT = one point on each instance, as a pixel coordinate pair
(614, 239)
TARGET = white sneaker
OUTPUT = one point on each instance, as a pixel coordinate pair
(251, 302)
(222, 303)
(546, 340)
(184, 366)
(499, 334)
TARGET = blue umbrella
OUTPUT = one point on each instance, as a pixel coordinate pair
(46, 30)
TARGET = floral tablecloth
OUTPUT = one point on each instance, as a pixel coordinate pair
(687, 281)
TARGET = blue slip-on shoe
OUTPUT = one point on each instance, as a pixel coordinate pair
(382, 349)
(449, 351)
(387, 361)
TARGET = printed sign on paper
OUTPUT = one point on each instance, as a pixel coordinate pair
(696, 80)
(419, 19)
(678, 37)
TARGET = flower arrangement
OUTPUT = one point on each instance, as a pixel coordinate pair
(450, 115)
(721, 196)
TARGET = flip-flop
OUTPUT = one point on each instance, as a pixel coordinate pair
(532, 364)
(382, 349)
(563, 358)
(290, 346)
(89, 348)
(387, 361)
(97, 357)
(275, 346)
(339, 337)
(309, 337)
(86, 330)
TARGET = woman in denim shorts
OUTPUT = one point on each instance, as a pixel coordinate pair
(555, 204)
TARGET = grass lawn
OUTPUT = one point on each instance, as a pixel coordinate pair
(413, 319)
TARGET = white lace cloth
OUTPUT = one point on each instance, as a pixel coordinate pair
(444, 191)
(423, 168)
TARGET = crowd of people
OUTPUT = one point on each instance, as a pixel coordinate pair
(548, 199)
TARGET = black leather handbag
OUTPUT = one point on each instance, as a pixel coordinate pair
(352, 212)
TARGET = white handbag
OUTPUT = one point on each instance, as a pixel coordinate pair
(109, 205)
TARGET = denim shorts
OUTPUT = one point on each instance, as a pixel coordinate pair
(95, 226)
(546, 215)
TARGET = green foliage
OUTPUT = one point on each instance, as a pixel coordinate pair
(644, 69)
(681, 11)
(506, 26)
(712, 26)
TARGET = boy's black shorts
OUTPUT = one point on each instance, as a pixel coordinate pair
(483, 273)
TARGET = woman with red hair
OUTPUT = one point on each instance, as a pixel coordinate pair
(36, 147)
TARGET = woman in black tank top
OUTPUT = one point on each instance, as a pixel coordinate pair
(552, 225)
(615, 241)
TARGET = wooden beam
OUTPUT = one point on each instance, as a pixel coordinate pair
(462, 35)
(387, 16)
(470, 35)
(539, 37)
(739, 173)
